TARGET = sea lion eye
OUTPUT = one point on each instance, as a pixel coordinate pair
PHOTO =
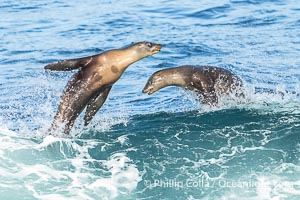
(149, 44)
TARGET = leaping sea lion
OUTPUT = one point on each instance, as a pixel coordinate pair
(207, 81)
(90, 86)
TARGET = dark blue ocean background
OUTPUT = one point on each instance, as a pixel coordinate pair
(163, 146)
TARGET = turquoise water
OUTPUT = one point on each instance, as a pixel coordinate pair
(163, 146)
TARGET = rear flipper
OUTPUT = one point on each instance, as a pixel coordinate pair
(57, 128)
(94, 105)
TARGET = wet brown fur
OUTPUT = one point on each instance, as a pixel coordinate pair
(91, 84)
(207, 81)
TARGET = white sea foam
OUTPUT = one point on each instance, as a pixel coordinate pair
(275, 187)
(124, 176)
(63, 168)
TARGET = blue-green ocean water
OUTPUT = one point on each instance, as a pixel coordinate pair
(164, 146)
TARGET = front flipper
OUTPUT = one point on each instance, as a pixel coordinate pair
(94, 105)
(70, 64)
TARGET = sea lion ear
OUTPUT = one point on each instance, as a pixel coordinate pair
(140, 44)
(70, 64)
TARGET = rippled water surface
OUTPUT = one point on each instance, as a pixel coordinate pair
(163, 146)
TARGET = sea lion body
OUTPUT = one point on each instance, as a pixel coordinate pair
(207, 81)
(90, 86)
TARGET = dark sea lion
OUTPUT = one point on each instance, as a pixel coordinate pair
(90, 86)
(207, 81)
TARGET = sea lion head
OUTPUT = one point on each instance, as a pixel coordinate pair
(147, 48)
(155, 82)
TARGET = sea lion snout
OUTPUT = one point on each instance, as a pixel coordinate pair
(156, 48)
(149, 47)
(148, 89)
(153, 84)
